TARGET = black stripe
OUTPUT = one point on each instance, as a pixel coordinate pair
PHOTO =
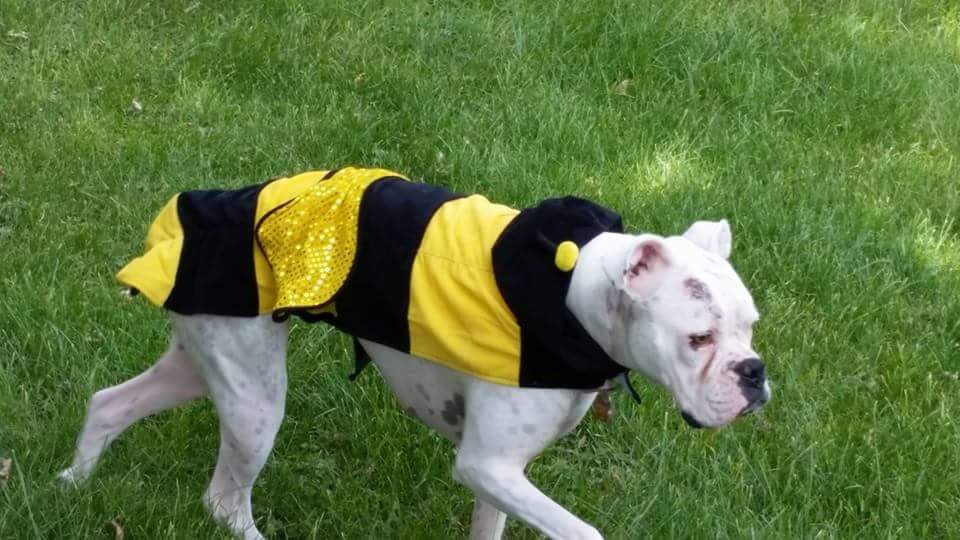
(375, 299)
(215, 273)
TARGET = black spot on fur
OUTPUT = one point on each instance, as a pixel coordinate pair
(454, 410)
(423, 392)
(697, 289)
(413, 412)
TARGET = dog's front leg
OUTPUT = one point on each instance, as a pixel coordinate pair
(505, 483)
(488, 521)
(504, 429)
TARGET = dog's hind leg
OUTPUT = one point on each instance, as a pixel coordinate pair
(171, 381)
(243, 361)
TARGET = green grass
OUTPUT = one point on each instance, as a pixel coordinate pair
(827, 132)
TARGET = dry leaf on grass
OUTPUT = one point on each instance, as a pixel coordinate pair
(136, 106)
(5, 465)
(603, 407)
(117, 524)
(621, 87)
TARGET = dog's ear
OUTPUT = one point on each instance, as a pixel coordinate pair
(645, 266)
(713, 236)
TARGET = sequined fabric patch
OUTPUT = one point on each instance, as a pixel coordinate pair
(312, 240)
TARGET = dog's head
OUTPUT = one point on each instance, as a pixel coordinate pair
(680, 315)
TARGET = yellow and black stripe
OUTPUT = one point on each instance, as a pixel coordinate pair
(475, 286)
(201, 256)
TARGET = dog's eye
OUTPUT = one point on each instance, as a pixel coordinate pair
(701, 340)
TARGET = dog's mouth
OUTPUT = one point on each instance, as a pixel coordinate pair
(690, 420)
(752, 407)
(757, 402)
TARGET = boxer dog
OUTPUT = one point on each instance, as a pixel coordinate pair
(669, 308)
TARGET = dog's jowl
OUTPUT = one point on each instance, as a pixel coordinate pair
(495, 327)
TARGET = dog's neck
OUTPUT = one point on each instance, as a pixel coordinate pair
(601, 262)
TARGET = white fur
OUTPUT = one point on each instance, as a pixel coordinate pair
(240, 364)
(713, 236)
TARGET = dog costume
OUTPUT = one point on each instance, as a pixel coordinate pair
(458, 280)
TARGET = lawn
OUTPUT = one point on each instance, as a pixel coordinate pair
(826, 132)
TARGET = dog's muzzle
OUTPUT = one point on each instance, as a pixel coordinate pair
(690, 420)
(753, 384)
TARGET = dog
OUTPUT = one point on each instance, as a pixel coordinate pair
(672, 309)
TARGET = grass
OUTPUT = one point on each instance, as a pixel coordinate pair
(827, 132)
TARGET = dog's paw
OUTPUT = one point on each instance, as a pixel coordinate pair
(585, 533)
(592, 534)
(70, 478)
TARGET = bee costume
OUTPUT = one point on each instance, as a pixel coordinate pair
(458, 280)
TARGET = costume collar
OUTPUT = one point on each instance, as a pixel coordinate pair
(534, 277)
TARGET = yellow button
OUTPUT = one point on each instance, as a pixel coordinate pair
(566, 256)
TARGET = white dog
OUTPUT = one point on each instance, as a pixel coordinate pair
(670, 308)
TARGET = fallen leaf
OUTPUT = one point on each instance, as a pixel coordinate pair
(136, 106)
(19, 34)
(603, 407)
(621, 87)
(117, 524)
(5, 465)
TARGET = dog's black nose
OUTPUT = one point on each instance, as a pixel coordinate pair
(752, 371)
(691, 421)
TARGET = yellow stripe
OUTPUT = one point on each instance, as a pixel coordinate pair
(457, 317)
(154, 272)
(274, 194)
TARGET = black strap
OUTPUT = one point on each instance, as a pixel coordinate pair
(625, 379)
(361, 359)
